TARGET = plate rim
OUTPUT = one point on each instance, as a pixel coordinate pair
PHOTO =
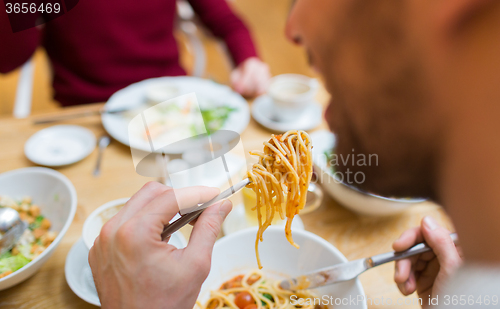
(73, 252)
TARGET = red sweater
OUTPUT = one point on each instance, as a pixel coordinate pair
(101, 46)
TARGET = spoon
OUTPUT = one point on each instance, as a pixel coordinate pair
(103, 143)
(11, 228)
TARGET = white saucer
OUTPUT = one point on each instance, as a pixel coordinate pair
(262, 113)
(59, 145)
(79, 275)
(237, 221)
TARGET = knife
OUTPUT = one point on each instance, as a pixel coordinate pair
(79, 114)
(351, 270)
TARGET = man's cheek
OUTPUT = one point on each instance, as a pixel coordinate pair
(335, 117)
(329, 115)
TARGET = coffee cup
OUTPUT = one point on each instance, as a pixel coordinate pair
(291, 94)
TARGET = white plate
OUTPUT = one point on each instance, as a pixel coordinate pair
(350, 197)
(79, 275)
(133, 96)
(237, 221)
(262, 110)
(59, 145)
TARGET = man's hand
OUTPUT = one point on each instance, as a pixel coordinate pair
(250, 78)
(426, 272)
(133, 268)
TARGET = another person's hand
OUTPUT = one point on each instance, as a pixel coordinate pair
(426, 273)
(133, 268)
(250, 78)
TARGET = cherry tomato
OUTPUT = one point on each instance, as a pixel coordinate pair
(243, 299)
(233, 283)
(252, 306)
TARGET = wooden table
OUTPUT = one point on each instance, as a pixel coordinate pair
(355, 236)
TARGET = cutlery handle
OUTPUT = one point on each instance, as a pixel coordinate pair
(383, 258)
(57, 118)
(102, 145)
(171, 228)
(177, 224)
(97, 169)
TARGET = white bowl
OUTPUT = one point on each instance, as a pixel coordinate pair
(235, 254)
(55, 195)
(356, 200)
(94, 222)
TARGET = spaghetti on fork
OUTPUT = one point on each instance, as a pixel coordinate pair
(280, 180)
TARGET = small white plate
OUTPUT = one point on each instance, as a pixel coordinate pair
(59, 145)
(79, 275)
(236, 221)
(262, 110)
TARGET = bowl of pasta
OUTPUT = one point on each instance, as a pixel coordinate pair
(46, 201)
(348, 195)
(236, 282)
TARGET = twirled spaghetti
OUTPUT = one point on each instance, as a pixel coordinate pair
(280, 180)
(254, 291)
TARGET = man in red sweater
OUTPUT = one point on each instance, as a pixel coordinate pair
(99, 47)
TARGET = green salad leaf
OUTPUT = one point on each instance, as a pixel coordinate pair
(12, 262)
(215, 118)
(36, 223)
(5, 255)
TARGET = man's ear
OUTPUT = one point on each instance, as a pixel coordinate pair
(452, 15)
